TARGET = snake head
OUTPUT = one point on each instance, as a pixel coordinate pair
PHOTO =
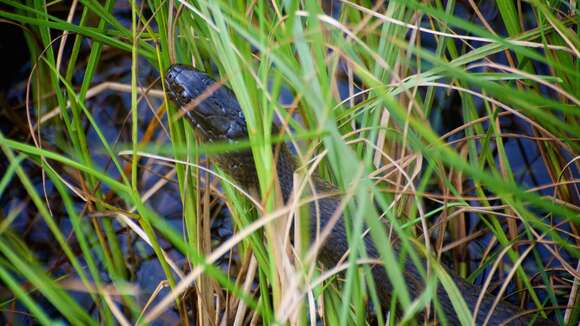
(212, 108)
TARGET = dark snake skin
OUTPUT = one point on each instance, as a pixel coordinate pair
(217, 116)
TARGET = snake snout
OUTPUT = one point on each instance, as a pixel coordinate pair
(211, 107)
(178, 80)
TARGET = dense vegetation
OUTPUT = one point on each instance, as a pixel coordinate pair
(449, 125)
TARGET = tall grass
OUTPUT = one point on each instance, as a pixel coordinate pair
(451, 188)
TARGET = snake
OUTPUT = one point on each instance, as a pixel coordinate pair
(216, 115)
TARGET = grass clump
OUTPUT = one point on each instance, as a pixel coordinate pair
(450, 126)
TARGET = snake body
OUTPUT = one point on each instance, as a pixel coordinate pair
(218, 117)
